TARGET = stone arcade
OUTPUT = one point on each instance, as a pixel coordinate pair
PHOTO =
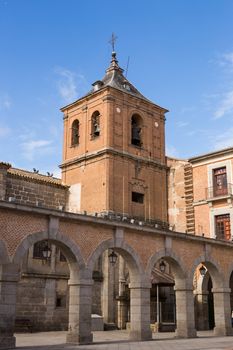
(113, 195)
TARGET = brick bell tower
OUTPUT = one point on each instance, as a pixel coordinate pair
(114, 150)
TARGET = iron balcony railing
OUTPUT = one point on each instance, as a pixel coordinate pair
(215, 192)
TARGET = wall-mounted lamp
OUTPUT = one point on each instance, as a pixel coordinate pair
(46, 252)
(162, 266)
(112, 258)
(202, 271)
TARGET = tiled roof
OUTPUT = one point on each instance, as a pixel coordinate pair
(35, 176)
(114, 78)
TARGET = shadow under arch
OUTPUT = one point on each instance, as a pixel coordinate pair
(179, 270)
(214, 269)
(4, 257)
(127, 252)
(68, 247)
(139, 287)
(210, 298)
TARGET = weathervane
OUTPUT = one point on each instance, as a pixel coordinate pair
(112, 41)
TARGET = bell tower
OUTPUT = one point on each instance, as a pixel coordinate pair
(114, 150)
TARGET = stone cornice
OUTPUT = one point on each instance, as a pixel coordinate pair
(112, 151)
(211, 155)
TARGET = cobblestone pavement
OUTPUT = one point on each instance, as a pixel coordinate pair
(118, 340)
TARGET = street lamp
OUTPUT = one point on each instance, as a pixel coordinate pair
(46, 252)
(202, 271)
(112, 258)
(162, 266)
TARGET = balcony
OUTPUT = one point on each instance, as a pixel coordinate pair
(214, 193)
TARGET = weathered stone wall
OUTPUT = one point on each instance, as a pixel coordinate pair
(43, 293)
(36, 193)
(32, 188)
(37, 302)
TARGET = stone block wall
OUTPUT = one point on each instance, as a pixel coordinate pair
(37, 302)
(33, 189)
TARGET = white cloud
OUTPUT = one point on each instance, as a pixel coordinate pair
(182, 124)
(171, 151)
(229, 57)
(70, 85)
(34, 148)
(187, 110)
(5, 102)
(66, 85)
(226, 60)
(225, 106)
(4, 131)
(223, 140)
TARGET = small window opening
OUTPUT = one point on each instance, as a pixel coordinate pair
(75, 133)
(58, 302)
(137, 197)
(61, 301)
(95, 124)
(136, 131)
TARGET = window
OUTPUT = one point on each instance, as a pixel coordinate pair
(223, 226)
(220, 181)
(75, 133)
(136, 130)
(60, 300)
(95, 124)
(38, 249)
(137, 197)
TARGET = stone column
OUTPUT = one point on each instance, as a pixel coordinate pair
(222, 311)
(79, 330)
(185, 321)
(9, 276)
(121, 298)
(140, 311)
(122, 310)
(108, 302)
(202, 311)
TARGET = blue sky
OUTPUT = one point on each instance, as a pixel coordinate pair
(181, 57)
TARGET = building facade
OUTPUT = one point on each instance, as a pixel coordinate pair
(200, 194)
(119, 195)
(113, 161)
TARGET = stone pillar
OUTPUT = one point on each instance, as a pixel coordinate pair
(222, 311)
(202, 311)
(108, 302)
(79, 330)
(9, 276)
(140, 311)
(121, 298)
(185, 321)
(122, 311)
